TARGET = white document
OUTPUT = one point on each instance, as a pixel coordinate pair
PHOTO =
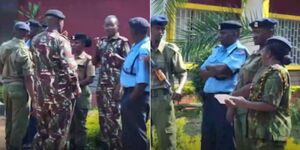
(221, 97)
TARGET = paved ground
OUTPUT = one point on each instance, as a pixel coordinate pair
(2, 133)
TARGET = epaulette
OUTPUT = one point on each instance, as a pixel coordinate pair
(88, 56)
(172, 46)
(103, 37)
(66, 37)
(123, 38)
(218, 46)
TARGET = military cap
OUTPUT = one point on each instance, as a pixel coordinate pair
(55, 13)
(159, 20)
(34, 23)
(264, 23)
(22, 25)
(230, 24)
(138, 23)
(280, 39)
(81, 36)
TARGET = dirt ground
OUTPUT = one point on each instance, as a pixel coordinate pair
(2, 133)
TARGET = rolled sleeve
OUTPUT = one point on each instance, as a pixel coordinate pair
(90, 69)
(178, 64)
(273, 90)
(142, 75)
(66, 49)
(235, 61)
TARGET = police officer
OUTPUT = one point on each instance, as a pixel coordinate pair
(220, 72)
(35, 28)
(167, 57)
(56, 83)
(262, 29)
(17, 71)
(109, 89)
(86, 73)
(268, 120)
(135, 78)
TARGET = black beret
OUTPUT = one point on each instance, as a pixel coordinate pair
(22, 25)
(34, 23)
(280, 39)
(55, 13)
(138, 23)
(264, 23)
(80, 36)
(159, 20)
(230, 24)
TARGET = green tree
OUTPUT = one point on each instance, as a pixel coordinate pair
(31, 11)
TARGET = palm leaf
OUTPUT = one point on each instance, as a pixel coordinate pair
(202, 34)
(31, 11)
(166, 7)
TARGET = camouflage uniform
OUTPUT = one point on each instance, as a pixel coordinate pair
(55, 82)
(168, 58)
(246, 74)
(78, 137)
(270, 130)
(15, 61)
(109, 77)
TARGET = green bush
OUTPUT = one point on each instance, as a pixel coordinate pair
(294, 112)
(188, 88)
(184, 141)
(93, 130)
(295, 89)
(194, 74)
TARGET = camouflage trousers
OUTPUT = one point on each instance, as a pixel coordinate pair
(109, 114)
(17, 114)
(53, 126)
(240, 129)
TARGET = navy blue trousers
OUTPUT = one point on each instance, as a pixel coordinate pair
(134, 114)
(217, 133)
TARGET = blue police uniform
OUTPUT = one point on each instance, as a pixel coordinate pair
(134, 113)
(233, 58)
(217, 133)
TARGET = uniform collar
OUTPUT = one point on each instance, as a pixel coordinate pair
(115, 37)
(18, 40)
(233, 46)
(146, 39)
(82, 55)
(161, 46)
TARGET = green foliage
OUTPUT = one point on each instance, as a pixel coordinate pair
(93, 129)
(31, 11)
(202, 36)
(188, 88)
(295, 89)
(165, 7)
(184, 141)
(294, 112)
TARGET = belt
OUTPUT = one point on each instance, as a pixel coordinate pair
(158, 92)
(128, 89)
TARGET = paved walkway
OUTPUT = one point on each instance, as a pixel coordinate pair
(2, 133)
